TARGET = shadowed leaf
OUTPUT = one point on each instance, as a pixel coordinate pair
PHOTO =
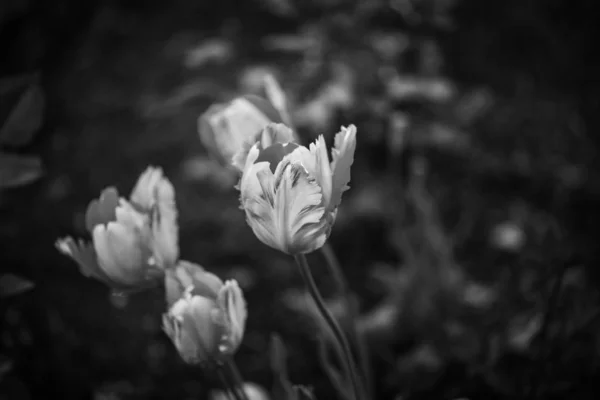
(12, 285)
(24, 99)
(17, 170)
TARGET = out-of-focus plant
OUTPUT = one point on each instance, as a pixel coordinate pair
(12, 285)
(22, 106)
(224, 128)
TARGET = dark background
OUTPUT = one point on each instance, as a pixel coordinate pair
(509, 145)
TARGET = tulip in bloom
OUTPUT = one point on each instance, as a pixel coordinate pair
(291, 193)
(132, 241)
(224, 128)
(207, 327)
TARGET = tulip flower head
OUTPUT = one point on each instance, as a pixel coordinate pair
(204, 327)
(291, 193)
(132, 241)
(224, 128)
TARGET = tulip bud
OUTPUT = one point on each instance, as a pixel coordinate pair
(207, 323)
(225, 128)
(189, 323)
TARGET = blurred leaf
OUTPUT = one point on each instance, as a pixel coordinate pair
(282, 8)
(211, 50)
(333, 373)
(12, 285)
(282, 387)
(303, 393)
(6, 365)
(17, 170)
(277, 97)
(26, 111)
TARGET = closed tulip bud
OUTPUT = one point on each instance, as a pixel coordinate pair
(132, 242)
(225, 128)
(206, 327)
(252, 391)
(291, 193)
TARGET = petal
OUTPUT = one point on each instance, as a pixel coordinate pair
(102, 210)
(165, 235)
(199, 321)
(144, 194)
(249, 185)
(258, 200)
(287, 213)
(83, 254)
(127, 215)
(233, 306)
(273, 133)
(276, 133)
(188, 274)
(299, 209)
(343, 157)
(230, 127)
(322, 169)
(119, 254)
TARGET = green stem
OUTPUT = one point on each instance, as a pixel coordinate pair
(229, 390)
(236, 379)
(355, 337)
(335, 328)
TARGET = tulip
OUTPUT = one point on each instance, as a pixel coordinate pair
(207, 322)
(132, 242)
(225, 128)
(291, 193)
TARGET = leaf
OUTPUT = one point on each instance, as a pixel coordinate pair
(17, 170)
(12, 285)
(23, 96)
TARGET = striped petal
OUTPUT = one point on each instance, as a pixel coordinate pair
(285, 209)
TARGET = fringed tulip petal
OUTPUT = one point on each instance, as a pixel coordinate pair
(343, 157)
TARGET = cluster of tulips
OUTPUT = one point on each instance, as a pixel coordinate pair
(290, 195)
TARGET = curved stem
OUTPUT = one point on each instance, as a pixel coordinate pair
(335, 328)
(236, 379)
(335, 269)
(230, 392)
(344, 290)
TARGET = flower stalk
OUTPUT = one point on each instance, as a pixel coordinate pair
(236, 380)
(357, 340)
(330, 320)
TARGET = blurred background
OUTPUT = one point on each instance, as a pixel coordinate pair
(469, 234)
